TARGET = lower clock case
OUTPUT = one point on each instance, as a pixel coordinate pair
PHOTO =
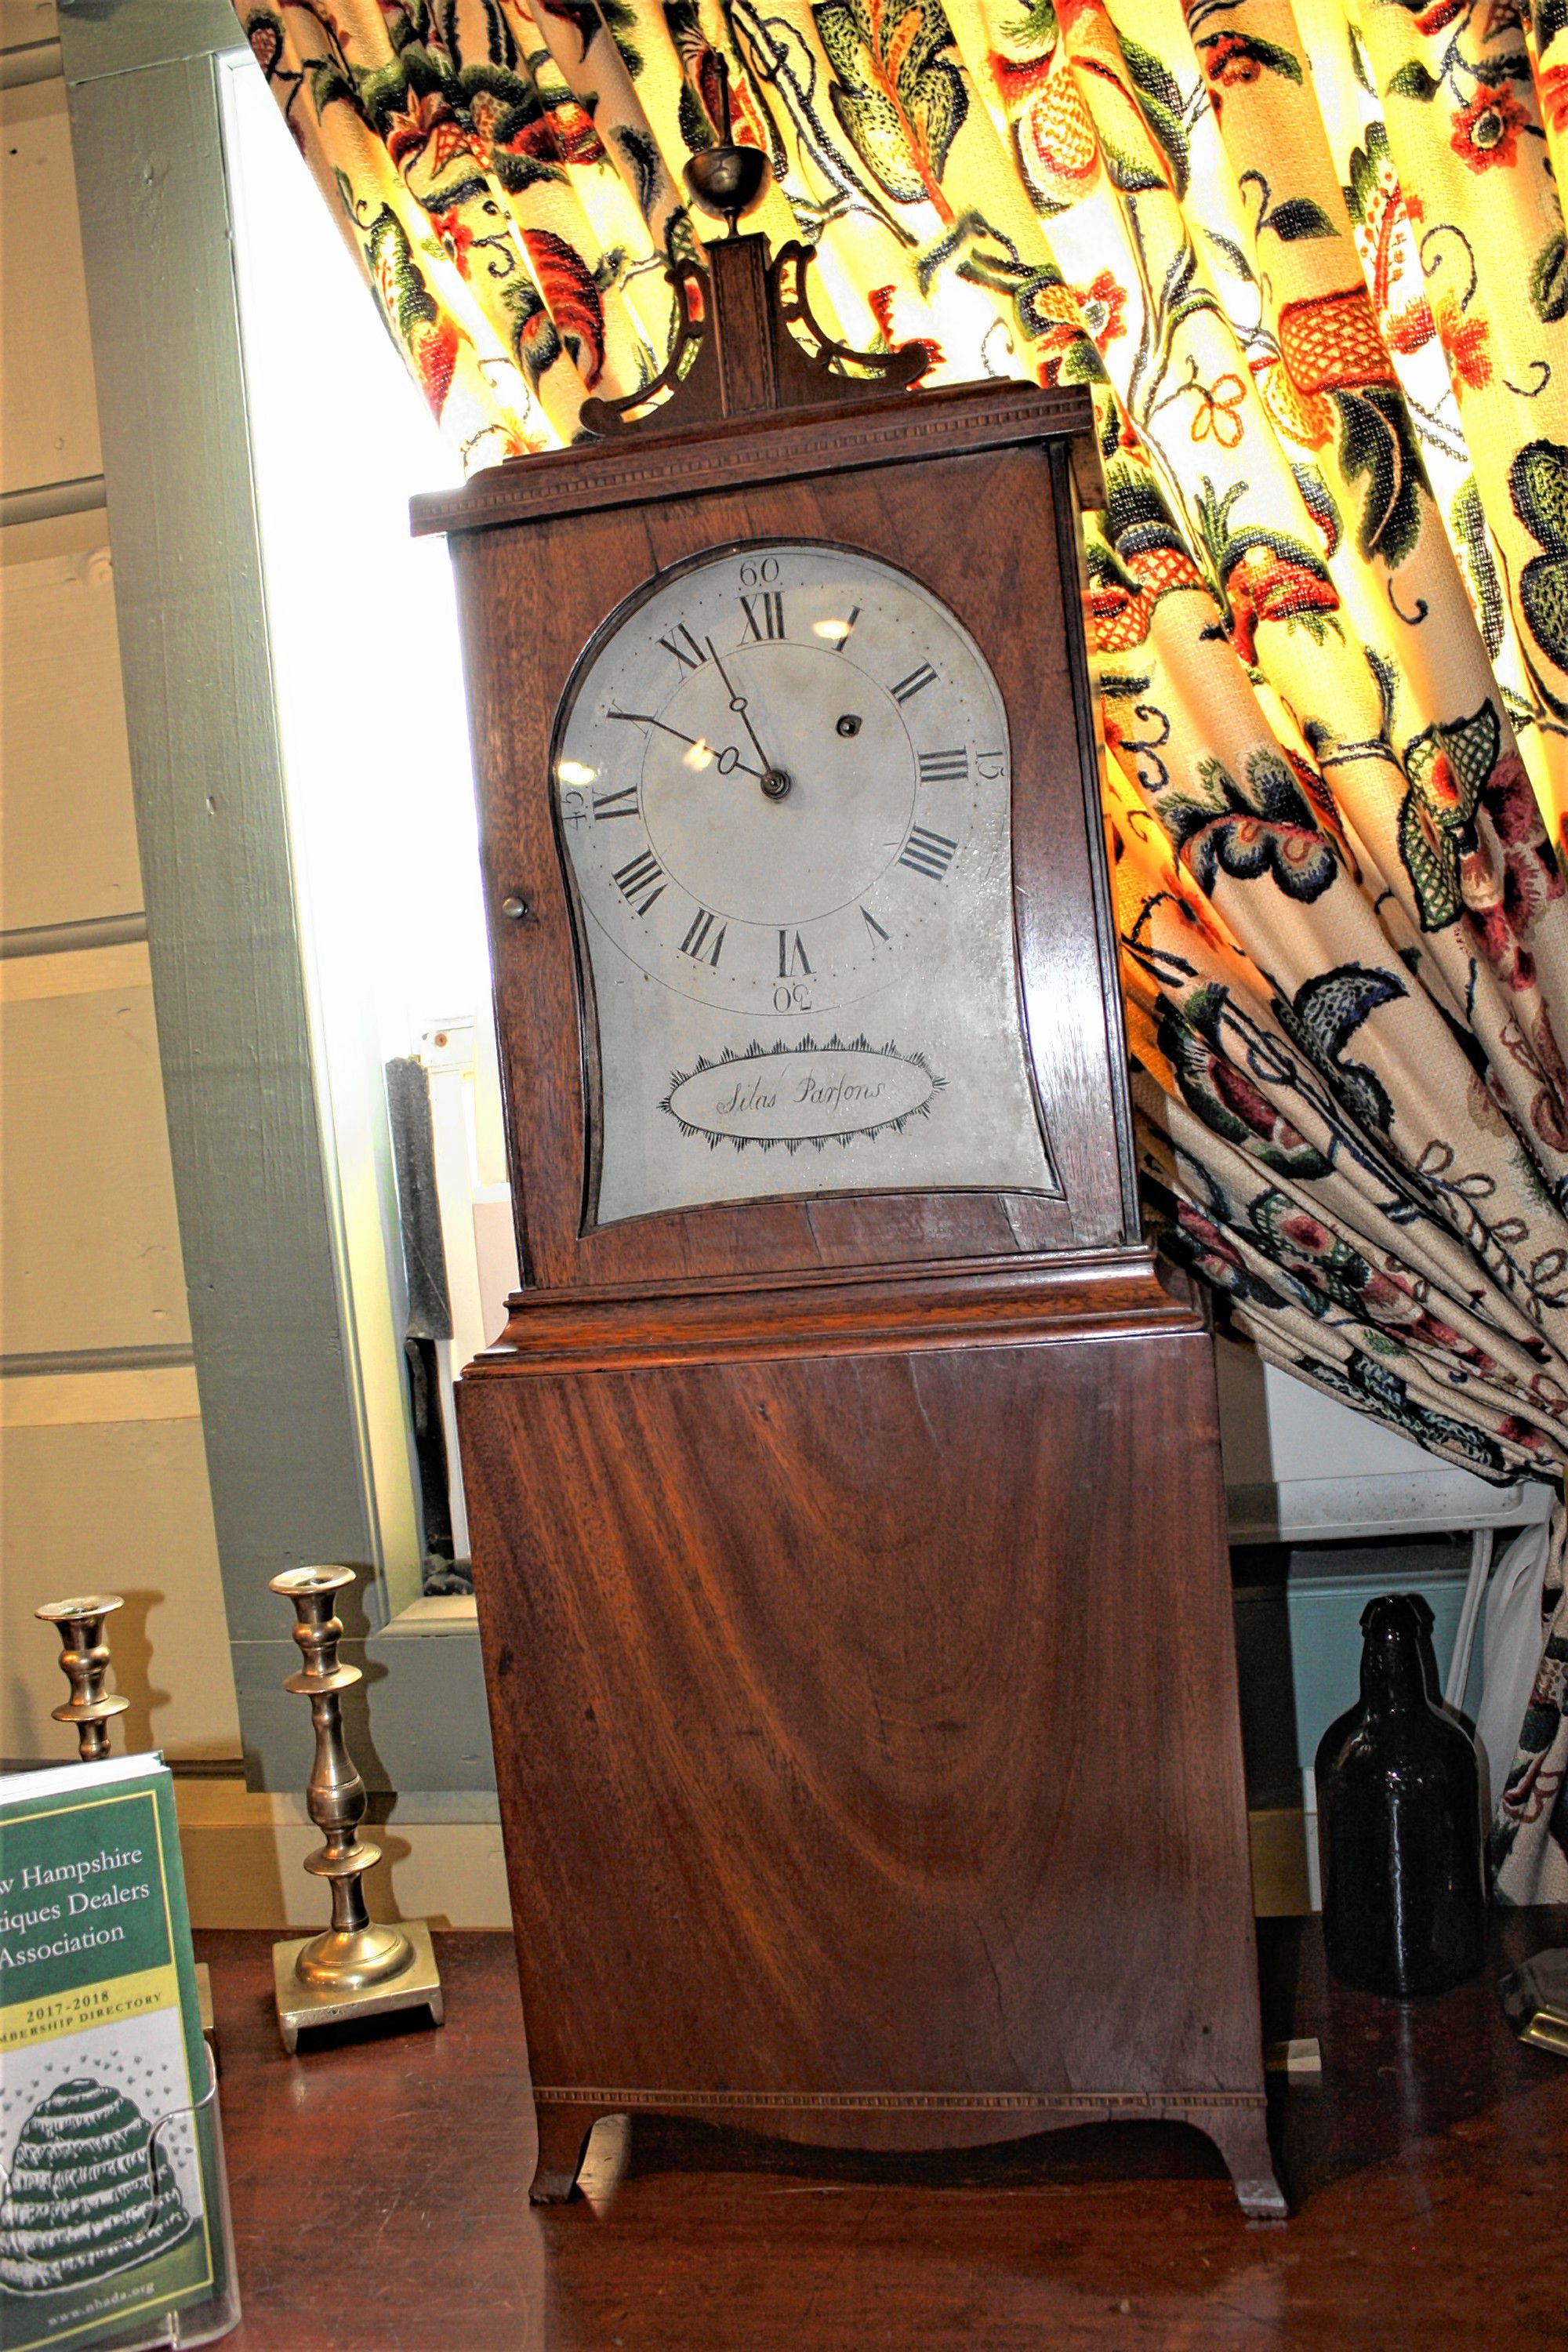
(833, 1807)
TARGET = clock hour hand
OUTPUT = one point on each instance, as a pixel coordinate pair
(774, 781)
(646, 718)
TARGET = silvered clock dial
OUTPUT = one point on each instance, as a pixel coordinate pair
(782, 782)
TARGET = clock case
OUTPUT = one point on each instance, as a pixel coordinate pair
(851, 1569)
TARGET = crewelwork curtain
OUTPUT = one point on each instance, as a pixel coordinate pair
(1310, 256)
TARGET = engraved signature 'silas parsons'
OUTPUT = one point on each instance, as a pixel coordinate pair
(805, 1094)
(822, 1093)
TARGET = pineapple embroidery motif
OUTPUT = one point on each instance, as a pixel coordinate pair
(82, 2201)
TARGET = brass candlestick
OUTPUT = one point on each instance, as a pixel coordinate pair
(84, 1662)
(356, 1966)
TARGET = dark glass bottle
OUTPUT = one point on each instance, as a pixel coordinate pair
(1404, 1906)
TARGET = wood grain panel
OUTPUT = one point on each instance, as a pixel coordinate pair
(825, 1311)
(48, 412)
(67, 824)
(90, 1249)
(695, 462)
(858, 1734)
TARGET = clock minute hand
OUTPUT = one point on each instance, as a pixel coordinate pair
(646, 718)
(774, 781)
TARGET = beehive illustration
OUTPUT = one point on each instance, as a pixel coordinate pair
(82, 2201)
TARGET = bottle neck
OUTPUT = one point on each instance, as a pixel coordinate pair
(1392, 1680)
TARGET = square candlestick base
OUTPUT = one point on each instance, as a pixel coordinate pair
(301, 2007)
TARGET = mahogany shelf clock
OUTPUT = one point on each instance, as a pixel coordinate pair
(847, 1524)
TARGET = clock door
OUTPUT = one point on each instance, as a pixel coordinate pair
(788, 787)
(783, 796)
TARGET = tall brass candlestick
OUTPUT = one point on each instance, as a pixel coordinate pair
(354, 1966)
(84, 1662)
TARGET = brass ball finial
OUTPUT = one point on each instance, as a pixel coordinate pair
(726, 180)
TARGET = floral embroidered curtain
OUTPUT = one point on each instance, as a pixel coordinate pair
(1310, 256)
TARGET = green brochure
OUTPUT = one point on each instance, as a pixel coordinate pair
(113, 2209)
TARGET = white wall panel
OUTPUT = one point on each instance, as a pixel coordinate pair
(67, 825)
(48, 416)
(121, 1505)
(90, 1250)
(23, 22)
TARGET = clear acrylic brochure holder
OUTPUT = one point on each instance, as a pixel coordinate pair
(219, 2314)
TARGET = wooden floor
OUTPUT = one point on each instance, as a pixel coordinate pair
(380, 2205)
